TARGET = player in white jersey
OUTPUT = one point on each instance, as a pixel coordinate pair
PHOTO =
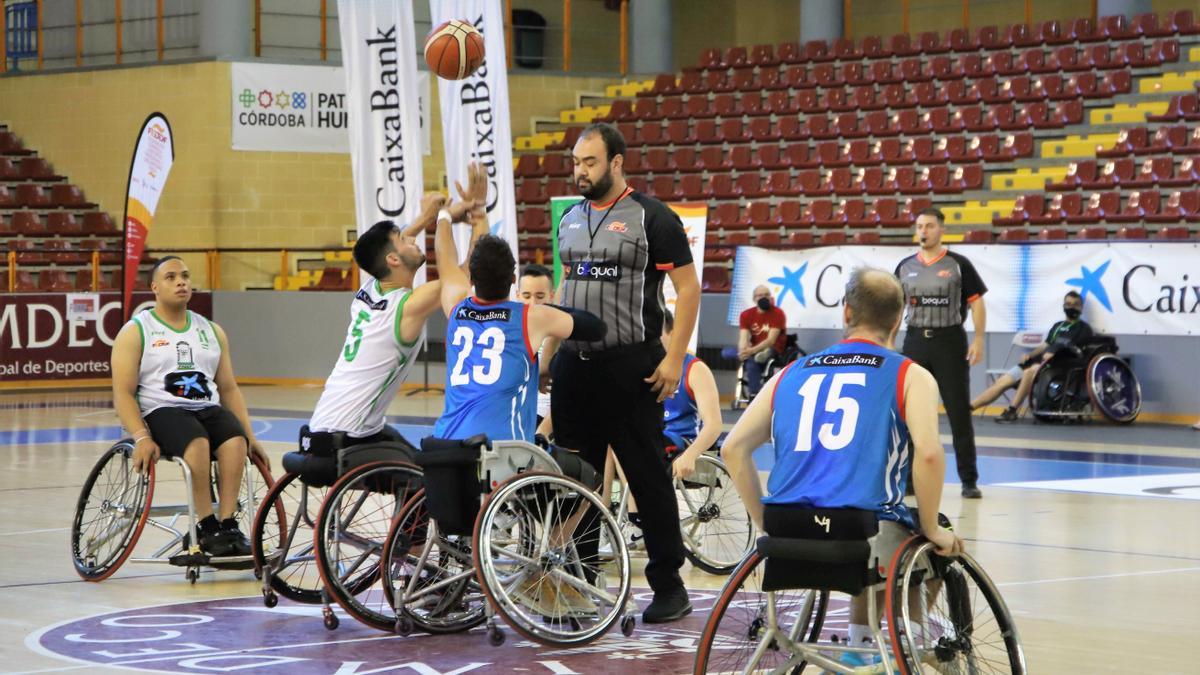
(387, 322)
(174, 390)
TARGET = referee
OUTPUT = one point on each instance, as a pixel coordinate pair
(617, 247)
(940, 285)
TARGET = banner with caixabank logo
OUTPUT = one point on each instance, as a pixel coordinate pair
(475, 117)
(380, 62)
(1128, 288)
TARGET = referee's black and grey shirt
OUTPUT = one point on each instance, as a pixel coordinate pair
(614, 259)
(938, 291)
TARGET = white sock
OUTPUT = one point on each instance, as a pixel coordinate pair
(859, 634)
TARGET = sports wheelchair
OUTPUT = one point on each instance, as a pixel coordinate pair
(505, 528)
(943, 615)
(791, 352)
(1079, 382)
(116, 504)
(318, 535)
(717, 532)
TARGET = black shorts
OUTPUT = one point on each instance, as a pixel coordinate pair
(174, 428)
(595, 399)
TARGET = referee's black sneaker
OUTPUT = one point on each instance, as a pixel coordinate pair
(971, 491)
(668, 606)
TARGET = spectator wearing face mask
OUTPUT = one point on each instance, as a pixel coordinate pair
(762, 335)
(1070, 332)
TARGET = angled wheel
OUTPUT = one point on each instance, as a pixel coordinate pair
(527, 553)
(946, 616)
(717, 532)
(737, 626)
(112, 510)
(286, 552)
(352, 527)
(430, 577)
(1113, 389)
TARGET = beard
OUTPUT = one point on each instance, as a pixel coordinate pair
(598, 189)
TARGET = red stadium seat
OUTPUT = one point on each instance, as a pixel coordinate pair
(534, 221)
(771, 80)
(1053, 234)
(1183, 22)
(716, 81)
(1014, 234)
(721, 187)
(635, 163)
(865, 238)
(796, 77)
(883, 72)
(1171, 211)
(1186, 174)
(931, 43)
(770, 157)
(64, 225)
(789, 52)
(715, 279)
(735, 57)
(732, 131)
(1182, 107)
(1169, 232)
(978, 237)
(557, 165)
(1115, 27)
(767, 240)
(25, 282)
(751, 104)
(723, 215)
(855, 213)
(842, 182)
(800, 240)
(750, 186)
(817, 50)
(836, 238)
(664, 85)
(901, 45)
(763, 56)
(663, 187)
(54, 281)
(779, 184)
(531, 192)
(800, 156)
(872, 48)
(825, 75)
(570, 136)
(691, 188)
(820, 212)
(913, 70)
(888, 213)
(744, 80)
(790, 129)
(1131, 232)
(1092, 233)
(853, 74)
(810, 183)
(789, 214)
(844, 48)
(757, 215)
(31, 195)
(705, 132)
(871, 180)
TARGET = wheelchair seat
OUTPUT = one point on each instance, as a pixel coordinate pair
(322, 469)
(832, 545)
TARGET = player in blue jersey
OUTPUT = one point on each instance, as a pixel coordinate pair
(692, 417)
(491, 342)
(840, 422)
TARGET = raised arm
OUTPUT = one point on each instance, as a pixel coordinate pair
(231, 396)
(431, 203)
(125, 363)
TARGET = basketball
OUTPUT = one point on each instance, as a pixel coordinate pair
(454, 50)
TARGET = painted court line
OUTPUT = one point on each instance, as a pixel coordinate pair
(50, 529)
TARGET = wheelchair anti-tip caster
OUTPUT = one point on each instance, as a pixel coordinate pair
(330, 619)
(258, 573)
(270, 599)
(627, 625)
(404, 625)
(193, 574)
(495, 636)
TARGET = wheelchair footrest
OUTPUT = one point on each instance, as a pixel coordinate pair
(202, 559)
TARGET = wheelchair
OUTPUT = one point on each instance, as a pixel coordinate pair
(791, 352)
(318, 535)
(116, 503)
(1079, 382)
(944, 615)
(505, 529)
(717, 532)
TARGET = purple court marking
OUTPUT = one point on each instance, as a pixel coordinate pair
(240, 634)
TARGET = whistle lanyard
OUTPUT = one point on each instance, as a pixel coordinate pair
(592, 233)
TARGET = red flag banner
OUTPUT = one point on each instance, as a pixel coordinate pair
(152, 159)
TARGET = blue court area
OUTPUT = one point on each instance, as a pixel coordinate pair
(996, 465)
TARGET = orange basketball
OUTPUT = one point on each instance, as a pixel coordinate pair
(454, 50)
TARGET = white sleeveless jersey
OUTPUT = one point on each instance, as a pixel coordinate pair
(178, 367)
(372, 365)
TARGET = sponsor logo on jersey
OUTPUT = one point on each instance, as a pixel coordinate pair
(930, 301)
(943, 273)
(617, 226)
(597, 270)
(365, 298)
(480, 315)
(160, 343)
(840, 360)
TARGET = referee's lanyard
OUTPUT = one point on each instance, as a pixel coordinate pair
(592, 233)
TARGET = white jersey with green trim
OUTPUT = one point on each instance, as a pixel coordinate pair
(178, 367)
(373, 363)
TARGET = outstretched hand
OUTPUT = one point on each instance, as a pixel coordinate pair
(477, 186)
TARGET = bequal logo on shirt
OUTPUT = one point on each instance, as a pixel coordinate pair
(598, 270)
(836, 360)
(482, 315)
(930, 301)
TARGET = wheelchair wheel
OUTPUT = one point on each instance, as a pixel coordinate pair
(429, 577)
(110, 514)
(526, 550)
(285, 552)
(352, 526)
(945, 615)
(717, 532)
(738, 624)
(1114, 390)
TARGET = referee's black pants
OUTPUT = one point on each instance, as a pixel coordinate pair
(943, 352)
(601, 399)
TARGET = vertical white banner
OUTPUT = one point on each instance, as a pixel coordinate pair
(695, 224)
(475, 118)
(379, 56)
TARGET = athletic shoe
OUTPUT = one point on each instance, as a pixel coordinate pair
(971, 491)
(231, 539)
(668, 606)
(858, 660)
(1009, 415)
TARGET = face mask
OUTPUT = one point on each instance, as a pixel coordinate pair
(764, 304)
(1072, 313)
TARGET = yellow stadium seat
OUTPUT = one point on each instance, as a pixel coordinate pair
(1077, 146)
(1131, 113)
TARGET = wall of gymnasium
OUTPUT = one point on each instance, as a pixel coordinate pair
(84, 123)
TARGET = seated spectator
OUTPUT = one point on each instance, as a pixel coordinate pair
(1070, 332)
(761, 336)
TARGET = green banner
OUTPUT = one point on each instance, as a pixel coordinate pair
(558, 206)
